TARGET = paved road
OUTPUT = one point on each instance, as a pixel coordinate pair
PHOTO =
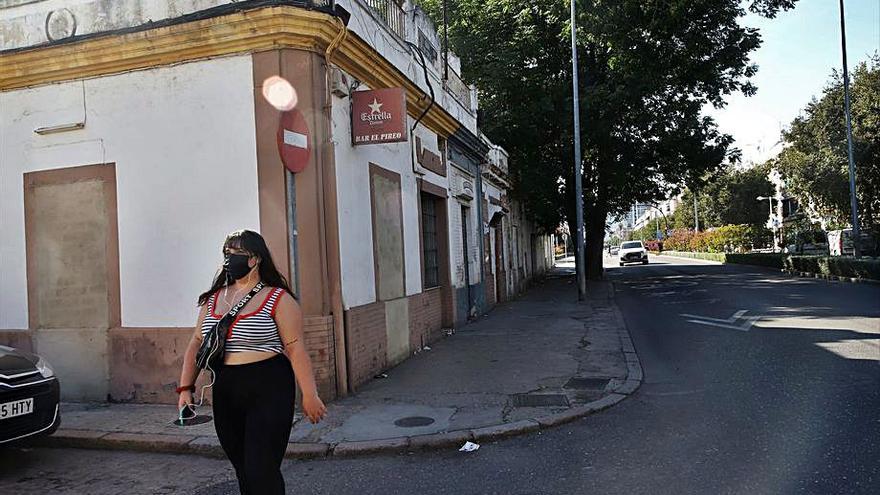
(769, 384)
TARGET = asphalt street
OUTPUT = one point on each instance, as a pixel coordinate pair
(755, 382)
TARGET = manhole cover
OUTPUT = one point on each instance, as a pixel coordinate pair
(587, 383)
(539, 400)
(414, 421)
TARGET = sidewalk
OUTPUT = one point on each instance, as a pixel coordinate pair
(532, 363)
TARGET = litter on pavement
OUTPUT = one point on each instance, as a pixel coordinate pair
(469, 447)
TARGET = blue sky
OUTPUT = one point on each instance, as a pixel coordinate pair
(800, 49)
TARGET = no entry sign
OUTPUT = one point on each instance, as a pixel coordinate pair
(294, 141)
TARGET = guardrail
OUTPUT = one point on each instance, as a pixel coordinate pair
(459, 90)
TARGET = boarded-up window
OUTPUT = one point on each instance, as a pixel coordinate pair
(70, 217)
(387, 233)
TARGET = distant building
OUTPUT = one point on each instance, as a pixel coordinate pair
(662, 211)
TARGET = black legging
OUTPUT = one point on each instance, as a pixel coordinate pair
(253, 414)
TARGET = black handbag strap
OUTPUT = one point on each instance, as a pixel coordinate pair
(233, 312)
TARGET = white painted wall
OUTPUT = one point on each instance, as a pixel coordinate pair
(183, 141)
(24, 24)
(353, 191)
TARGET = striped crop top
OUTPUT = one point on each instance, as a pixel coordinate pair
(254, 331)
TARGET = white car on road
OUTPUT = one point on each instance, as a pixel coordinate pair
(633, 252)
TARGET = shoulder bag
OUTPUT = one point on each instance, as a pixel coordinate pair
(213, 348)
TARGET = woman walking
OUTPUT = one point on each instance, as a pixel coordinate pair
(254, 388)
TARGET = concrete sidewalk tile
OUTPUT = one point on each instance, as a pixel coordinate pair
(147, 441)
(440, 440)
(302, 450)
(506, 429)
(346, 449)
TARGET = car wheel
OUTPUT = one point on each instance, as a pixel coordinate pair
(621, 263)
(644, 262)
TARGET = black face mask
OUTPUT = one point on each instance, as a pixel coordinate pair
(237, 266)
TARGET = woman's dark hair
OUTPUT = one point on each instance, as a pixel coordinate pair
(253, 244)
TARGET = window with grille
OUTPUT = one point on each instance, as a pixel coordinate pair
(430, 253)
(427, 47)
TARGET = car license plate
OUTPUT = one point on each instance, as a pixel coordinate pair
(16, 408)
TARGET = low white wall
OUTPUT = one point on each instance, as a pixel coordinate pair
(183, 141)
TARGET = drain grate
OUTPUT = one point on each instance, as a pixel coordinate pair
(414, 421)
(539, 400)
(587, 383)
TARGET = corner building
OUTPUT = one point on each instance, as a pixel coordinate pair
(134, 135)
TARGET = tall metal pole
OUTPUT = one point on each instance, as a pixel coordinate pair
(853, 201)
(696, 214)
(773, 222)
(580, 266)
(445, 43)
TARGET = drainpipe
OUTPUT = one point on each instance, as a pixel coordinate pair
(331, 235)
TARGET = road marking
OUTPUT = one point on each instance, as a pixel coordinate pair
(737, 321)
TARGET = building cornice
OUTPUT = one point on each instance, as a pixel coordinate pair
(248, 31)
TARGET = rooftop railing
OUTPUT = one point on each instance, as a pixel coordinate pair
(459, 90)
(391, 11)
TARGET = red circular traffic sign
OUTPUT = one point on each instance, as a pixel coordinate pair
(294, 141)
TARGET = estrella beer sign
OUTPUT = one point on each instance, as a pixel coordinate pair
(378, 116)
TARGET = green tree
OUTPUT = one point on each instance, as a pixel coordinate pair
(815, 164)
(728, 198)
(647, 70)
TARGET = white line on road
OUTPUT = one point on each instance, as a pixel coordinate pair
(745, 323)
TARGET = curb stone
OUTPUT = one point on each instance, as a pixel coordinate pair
(347, 449)
(440, 440)
(505, 430)
(210, 446)
(299, 450)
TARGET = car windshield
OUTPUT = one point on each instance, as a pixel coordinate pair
(630, 245)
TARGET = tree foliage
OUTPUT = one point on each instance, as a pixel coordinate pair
(815, 164)
(647, 68)
(728, 198)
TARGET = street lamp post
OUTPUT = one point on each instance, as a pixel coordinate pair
(853, 201)
(578, 187)
(771, 219)
(665, 220)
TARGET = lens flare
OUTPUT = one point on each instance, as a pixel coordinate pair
(279, 93)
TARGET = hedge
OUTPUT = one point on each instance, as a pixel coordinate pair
(727, 238)
(772, 260)
(839, 266)
(700, 256)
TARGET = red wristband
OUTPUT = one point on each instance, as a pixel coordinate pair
(191, 388)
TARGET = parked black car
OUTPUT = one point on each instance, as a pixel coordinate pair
(29, 396)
